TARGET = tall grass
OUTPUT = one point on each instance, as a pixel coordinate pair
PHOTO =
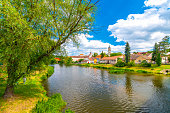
(54, 104)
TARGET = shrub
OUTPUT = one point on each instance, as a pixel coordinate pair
(120, 63)
(76, 62)
(129, 70)
(54, 104)
(141, 71)
(50, 71)
(117, 71)
(44, 77)
(53, 61)
(145, 64)
(131, 64)
(69, 111)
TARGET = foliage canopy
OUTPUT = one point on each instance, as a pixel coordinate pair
(31, 30)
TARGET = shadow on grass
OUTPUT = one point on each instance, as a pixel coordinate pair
(29, 90)
(24, 90)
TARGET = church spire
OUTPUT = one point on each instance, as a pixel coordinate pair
(109, 51)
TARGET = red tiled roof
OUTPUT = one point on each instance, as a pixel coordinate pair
(98, 56)
(110, 58)
(135, 56)
(57, 59)
(91, 59)
(79, 56)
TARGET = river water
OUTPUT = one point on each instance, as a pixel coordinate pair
(90, 90)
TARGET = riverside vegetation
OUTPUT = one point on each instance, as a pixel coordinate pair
(31, 96)
(129, 69)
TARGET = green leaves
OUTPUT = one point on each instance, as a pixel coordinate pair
(28, 29)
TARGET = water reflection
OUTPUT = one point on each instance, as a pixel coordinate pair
(90, 90)
(128, 84)
(158, 82)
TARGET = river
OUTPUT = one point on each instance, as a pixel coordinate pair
(90, 90)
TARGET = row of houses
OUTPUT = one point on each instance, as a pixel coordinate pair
(137, 58)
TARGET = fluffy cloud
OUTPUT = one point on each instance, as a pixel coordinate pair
(86, 46)
(143, 30)
(155, 2)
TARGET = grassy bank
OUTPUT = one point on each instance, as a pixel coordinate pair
(113, 69)
(28, 95)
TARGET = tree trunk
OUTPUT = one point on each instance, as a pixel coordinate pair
(9, 92)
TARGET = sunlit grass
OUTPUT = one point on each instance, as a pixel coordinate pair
(153, 69)
(26, 95)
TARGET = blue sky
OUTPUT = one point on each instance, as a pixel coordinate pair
(109, 11)
(140, 22)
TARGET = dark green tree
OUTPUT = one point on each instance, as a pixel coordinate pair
(103, 54)
(95, 54)
(158, 60)
(164, 47)
(28, 29)
(80, 60)
(155, 52)
(127, 52)
(68, 60)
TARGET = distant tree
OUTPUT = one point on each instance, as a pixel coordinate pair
(164, 47)
(155, 52)
(127, 53)
(135, 52)
(95, 54)
(116, 54)
(158, 60)
(80, 60)
(149, 51)
(169, 58)
(120, 63)
(103, 54)
(68, 60)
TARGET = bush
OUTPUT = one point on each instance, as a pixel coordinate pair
(76, 62)
(53, 61)
(50, 71)
(44, 77)
(141, 71)
(120, 63)
(54, 104)
(131, 64)
(145, 64)
(117, 71)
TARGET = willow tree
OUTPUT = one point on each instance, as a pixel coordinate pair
(31, 30)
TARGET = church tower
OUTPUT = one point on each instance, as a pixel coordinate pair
(109, 50)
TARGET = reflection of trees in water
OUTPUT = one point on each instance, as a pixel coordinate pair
(160, 100)
(128, 83)
(102, 75)
(158, 82)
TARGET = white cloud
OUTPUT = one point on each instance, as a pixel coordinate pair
(154, 2)
(143, 30)
(87, 46)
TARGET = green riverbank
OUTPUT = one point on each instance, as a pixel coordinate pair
(31, 96)
(114, 69)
